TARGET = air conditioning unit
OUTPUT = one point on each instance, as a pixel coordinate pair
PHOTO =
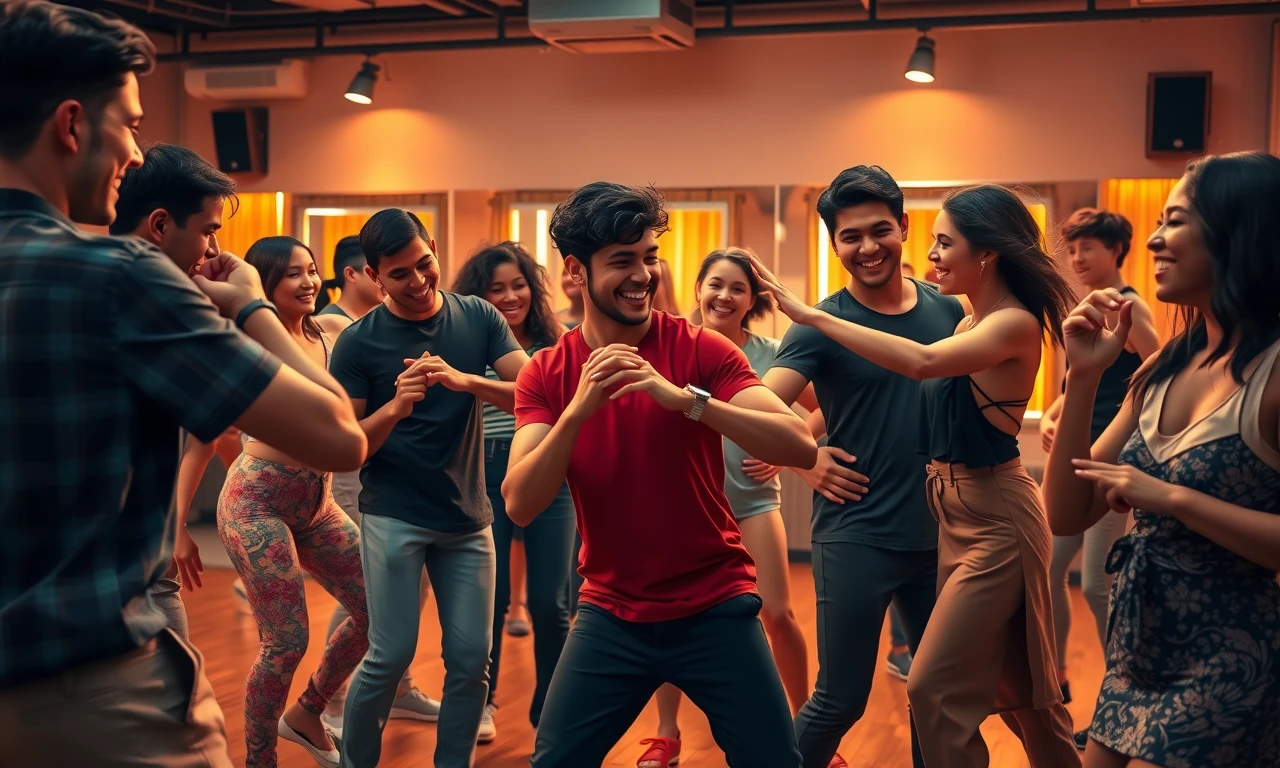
(616, 26)
(259, 82)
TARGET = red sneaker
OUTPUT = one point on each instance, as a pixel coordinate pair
(837, 762)
(663, 752)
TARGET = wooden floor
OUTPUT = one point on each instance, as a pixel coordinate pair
(228, 638)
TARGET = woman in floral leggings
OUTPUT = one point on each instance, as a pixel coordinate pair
(278, 519)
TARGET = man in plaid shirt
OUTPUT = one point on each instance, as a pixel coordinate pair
(106, 349)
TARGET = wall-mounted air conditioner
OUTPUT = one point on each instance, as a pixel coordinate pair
(258, 82)
(615, 26)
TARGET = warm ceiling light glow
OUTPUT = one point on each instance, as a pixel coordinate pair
(361, 89)
(921, 64)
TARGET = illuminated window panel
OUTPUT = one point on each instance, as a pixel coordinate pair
(830, 275)
(322, 228)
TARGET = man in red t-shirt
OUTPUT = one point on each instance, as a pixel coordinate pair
(631, 407)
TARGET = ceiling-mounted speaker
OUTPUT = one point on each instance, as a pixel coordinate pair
(240, 138)
(1178, 106)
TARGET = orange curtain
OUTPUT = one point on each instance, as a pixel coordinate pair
(695, 232)
(260, 214)
(1141, 201)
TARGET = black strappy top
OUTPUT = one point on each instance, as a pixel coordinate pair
(955, 428)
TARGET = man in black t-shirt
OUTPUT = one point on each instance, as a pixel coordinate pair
(874, 540)
(414, 368)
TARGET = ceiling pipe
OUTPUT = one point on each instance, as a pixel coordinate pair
(739, 29)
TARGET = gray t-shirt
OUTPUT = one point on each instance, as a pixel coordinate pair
(430, 471)
(873, 414)
(748, 497)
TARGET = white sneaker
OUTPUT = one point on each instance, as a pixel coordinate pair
(326, 757)
(488, 731)
(415, 705)
(333, 723)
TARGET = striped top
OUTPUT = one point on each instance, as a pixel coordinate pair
(498, 424)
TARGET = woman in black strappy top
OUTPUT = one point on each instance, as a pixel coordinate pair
(989, 646)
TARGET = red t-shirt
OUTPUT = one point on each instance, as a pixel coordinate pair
(659, 541)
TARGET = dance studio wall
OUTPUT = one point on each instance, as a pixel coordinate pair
(1044, 104)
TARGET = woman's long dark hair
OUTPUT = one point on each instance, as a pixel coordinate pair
(271, 257)
(476, 275)
(1234, 197)
(761, 305)
(992, 218)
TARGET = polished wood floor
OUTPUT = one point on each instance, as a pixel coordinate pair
(229, 640)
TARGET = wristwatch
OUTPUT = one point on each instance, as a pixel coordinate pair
(242, 316)
(700, 398)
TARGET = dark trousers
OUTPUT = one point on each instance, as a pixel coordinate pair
(719, 658)
(548, 545)
(855, 585)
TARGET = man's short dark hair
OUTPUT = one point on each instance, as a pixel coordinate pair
(171, 178)
(603, 214)
(1111, 229)
(387, 232)
(51, 53)
(855, 186)
(346, 253)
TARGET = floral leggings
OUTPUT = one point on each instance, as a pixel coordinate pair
(275, 522)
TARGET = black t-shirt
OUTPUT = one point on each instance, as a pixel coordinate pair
(430, 471)
(873, 414)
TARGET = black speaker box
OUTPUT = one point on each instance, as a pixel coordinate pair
(1178, 113)
(240, 136)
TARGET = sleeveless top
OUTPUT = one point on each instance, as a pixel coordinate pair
(245, 437)
(1113, 387)
(334, 309)
(747, 496)
(955, 428)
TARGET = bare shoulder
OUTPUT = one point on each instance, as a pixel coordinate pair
(333, 324)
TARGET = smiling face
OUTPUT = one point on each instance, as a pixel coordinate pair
(192, 243)
(411, 278)
(1184, 266)
(295, 294)
(868, 242)
(105, 144)
(724, 296)
(509, 291)
(1093, 263)
(623, 279)
(958, 268)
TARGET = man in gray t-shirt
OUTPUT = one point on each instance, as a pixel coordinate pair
(874, 540)
(414, 369)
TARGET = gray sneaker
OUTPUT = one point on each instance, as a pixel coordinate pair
(415, 705)
(488, 731)
(898, 665)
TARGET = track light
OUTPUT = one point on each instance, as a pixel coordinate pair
(361, 89)
(920, 65)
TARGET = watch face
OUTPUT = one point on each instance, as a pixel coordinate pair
(699, 392)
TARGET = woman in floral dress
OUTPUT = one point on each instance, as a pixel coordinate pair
(1193, 639)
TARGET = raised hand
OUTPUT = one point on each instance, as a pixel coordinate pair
(783, 298)
(230, 283)
(833, 480)
(642, 377)
(437, 371)
(1090, 345)
(601, 364)
(1126, 487)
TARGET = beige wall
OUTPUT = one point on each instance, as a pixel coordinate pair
(1032, 104)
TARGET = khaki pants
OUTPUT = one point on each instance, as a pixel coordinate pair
(150, 707)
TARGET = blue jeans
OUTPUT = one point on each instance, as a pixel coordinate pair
(461, 568)
(719, 658)
(548, 545)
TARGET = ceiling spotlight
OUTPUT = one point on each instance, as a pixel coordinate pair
(361, 89)
(920, 65)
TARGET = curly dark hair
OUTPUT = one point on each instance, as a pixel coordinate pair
(476, 274)
(603, 214)
(741, 257)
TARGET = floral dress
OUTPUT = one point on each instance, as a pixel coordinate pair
(1193, 638)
